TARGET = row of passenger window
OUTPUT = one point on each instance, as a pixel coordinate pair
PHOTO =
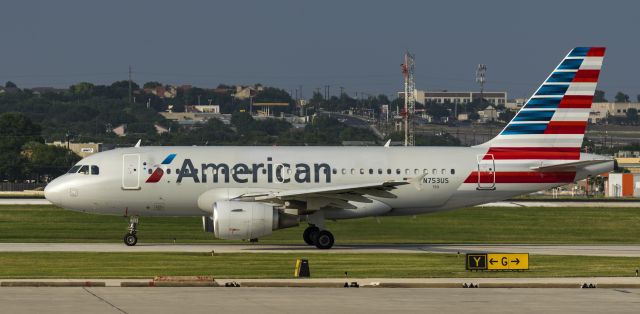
(85, 169)
(352, 171)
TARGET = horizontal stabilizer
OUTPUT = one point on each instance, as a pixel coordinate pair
(571, 166)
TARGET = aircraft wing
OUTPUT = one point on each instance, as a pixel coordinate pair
(571, 166)
(333, 196)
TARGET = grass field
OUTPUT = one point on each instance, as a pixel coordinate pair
(568, 225)
(273, 265)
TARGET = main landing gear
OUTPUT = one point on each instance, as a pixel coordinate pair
(322, 239)
(130, 239)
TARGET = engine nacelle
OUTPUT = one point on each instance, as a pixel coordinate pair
(234, 220)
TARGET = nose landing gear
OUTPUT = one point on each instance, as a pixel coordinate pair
(130, 239)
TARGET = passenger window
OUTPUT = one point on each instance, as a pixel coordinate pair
(353, 171)
(398, 171)
(73, 169)
(150, 171)
(95, 170)
(370, 171)
(444, 171)
(84, 170)
(434, 171)
(379, 171)
(335, 171)
(177, 171)
(344, 171)
(168, 170)
(425, 171)
(388, 171)
(453, 171)
(361, 171)
(416, 171)
(407, 171)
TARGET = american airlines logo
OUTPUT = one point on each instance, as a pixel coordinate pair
(159, 172)
(245, 173)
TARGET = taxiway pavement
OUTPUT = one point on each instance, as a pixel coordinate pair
(581, 250)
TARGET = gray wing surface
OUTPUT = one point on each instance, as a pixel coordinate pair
(333, 196)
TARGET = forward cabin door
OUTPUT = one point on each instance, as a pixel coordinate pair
(486, 172)
(131, 171)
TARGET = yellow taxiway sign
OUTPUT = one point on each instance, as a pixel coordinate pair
(497, 261)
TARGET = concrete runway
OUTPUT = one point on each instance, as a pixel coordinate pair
(316, 300)
(583, 250)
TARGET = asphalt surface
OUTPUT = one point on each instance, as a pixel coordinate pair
(583, 250)
(316, 300)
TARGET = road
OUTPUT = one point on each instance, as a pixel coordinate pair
(316, 300)
(582, 250)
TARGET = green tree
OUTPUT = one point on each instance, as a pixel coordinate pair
(83, 88)
(152, 84)
(621, 97)
(10, 84)
(16, 129)
(599, 96)
(45, 162)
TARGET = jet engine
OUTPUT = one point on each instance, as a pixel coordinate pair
(233, 220)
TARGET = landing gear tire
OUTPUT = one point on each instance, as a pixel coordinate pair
(308, 234)
(130, 239)
(323, 240)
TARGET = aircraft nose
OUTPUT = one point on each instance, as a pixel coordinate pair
(53, 192)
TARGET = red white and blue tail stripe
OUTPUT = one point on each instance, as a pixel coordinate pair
(551, 125)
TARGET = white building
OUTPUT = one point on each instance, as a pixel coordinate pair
(446, 97)
(602, 110)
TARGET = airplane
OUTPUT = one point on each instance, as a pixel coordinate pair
(248, 192)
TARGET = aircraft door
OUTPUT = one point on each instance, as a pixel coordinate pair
(486, 172)
(131, 171)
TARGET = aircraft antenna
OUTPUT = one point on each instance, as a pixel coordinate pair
(408, 69)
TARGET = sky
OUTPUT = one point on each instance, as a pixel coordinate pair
(357, 45)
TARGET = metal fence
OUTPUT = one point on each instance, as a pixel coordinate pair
(10, 186)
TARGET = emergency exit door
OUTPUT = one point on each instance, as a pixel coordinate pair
(130, 172)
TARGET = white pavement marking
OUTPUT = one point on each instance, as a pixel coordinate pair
(581, 250)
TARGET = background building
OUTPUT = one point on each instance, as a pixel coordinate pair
(444, 97)
(601, 110)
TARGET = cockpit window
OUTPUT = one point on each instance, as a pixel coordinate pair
(95, 170)
(84, 170)
(74, 169)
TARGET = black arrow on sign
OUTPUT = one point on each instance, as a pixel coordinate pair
(517, 261)
(492, 261)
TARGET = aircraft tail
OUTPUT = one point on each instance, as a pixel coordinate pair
(551, 125)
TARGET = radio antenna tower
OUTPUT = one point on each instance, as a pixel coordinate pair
(408, 69)
(481, 77)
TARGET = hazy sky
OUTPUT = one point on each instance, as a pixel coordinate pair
(354, 44)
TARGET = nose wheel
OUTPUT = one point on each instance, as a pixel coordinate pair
(130, 239)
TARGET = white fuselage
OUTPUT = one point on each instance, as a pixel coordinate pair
(440, 178)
